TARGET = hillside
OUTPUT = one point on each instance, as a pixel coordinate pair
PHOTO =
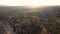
(24, 20)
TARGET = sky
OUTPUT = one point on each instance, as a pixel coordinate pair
(32, 3)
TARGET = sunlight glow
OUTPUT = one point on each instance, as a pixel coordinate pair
(32, 3)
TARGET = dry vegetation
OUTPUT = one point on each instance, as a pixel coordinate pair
(28, 25)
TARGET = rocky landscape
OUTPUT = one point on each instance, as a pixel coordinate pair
(19, 20)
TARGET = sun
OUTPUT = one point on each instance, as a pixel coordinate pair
(33, 6)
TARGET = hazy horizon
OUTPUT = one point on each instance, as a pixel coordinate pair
(30, 3)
